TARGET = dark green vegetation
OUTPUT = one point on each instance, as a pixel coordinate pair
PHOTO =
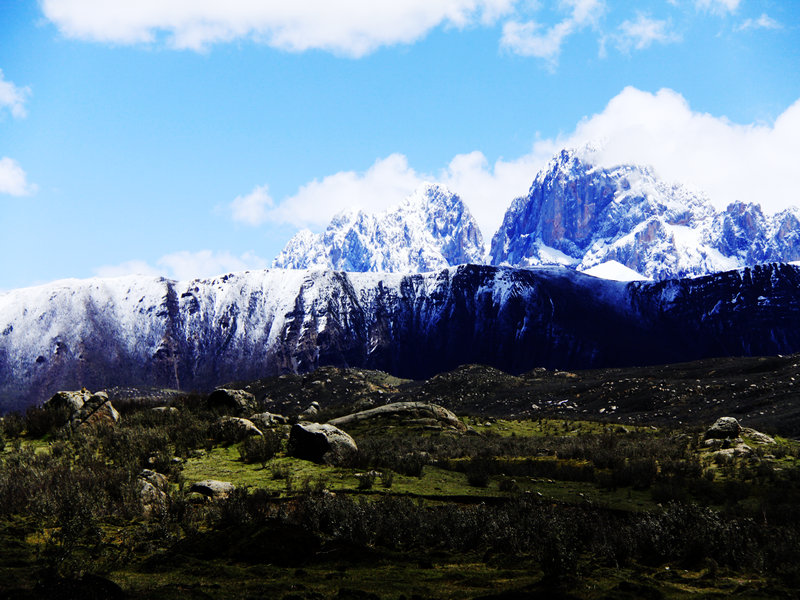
(551, 506)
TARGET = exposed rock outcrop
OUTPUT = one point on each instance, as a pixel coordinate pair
(233, 402)
(410, 413)
(321, 443)
(212, 488)
(230, 430)
(153, 488)
(724, 428)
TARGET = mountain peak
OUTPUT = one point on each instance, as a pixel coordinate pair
(429, 230)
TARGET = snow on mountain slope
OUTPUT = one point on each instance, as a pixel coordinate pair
(195, 335)
(614, 271)
(431, 229)
(582, 215)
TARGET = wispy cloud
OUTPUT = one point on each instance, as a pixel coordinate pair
(13, 97)
(350, 27)
(762, 22)
(531, 38)
(187, 265)
(718, 6)
(13, 180)
(643, 32)
(253, 208)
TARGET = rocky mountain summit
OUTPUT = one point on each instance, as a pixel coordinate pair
(431, 229)
(582, 215)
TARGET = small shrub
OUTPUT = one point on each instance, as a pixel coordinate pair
(387, 478)
(280, 472)
(366, 480)
(260, 449)
(478, 474)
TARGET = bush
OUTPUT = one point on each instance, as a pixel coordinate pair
(260, 449)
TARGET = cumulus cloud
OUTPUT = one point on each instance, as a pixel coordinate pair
(187, 265)
(13, 97)
(384, 184)
(351, 27)
(718, 6)
(643, 32)
(532, 38)
(751, 162)
(730, 161)
(13, 180)
(762, 22)
(253, 208)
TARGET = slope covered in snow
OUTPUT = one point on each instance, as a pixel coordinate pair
(583, 215)
(431, 229)
(195, 335)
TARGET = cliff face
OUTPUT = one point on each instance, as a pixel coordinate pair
(581, 215)
(197, 334)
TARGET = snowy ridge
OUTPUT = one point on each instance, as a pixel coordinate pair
(197, 334)
(430, 230)
(582, 215)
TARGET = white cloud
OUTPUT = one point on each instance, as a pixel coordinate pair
(753, 162)
(253, 209)
(185, 265)
(384, 184)
(718, 6)
(642, 32)
(13, 97)
(534, 39)
(762, 22)
(13, 180)
(352, 27)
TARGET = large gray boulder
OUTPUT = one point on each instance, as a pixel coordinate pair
(265, 420)
(232, 402)
(724, 428)
(319, 443)
(411, 413)
(212, 488)
(153, 489)
(82, 408)
(233, 429)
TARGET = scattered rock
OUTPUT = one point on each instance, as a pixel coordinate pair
(152, 492)
(212, 488)
(320, 443)
(230, 430)
(724, 427)
(311, 411)
(412, 413)
(757, 437)
(235, 402)
(266, 420)
(96, 410)
(740, 450)
(165, 409)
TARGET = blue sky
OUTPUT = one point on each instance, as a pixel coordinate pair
(189, 138)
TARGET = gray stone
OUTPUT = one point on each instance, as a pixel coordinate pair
(232, 402)
(311, 411)
(212, 488)
(724, 427)
(233, 429)
(321, 443)
(412, 413)
(267, 419)
(153, 488)
(165, 409)
(96, 410)
(757, 437)
(70, 401)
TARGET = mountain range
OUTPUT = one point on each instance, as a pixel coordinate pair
(194, 335)
(576, 214)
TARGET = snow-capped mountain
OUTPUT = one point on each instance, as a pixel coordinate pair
(197, 334)
(581, 215)
(430, 230)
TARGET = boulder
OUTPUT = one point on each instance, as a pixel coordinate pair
(320, 443)
(412, 413)
(165, 409)
(757, 437)
(212, 488)
(233, 429)
(266, 420)
(153, 488)
(740, 450)
(232, 402)
(724, 428)
(311, 411)
(69, 401)
(96, 410)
